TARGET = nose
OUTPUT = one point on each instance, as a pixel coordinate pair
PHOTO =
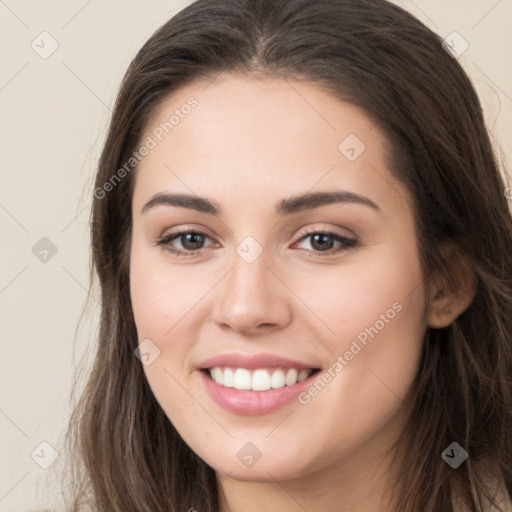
(252, 299)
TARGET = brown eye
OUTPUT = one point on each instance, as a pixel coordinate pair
(191, 242)
(323, 241)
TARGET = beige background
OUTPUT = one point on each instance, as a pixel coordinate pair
(54, 113)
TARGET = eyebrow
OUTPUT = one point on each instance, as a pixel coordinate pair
(294, 204)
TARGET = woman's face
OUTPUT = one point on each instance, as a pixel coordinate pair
(266, 297)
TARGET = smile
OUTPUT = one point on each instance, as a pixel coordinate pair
(260, 379)
(255, 394)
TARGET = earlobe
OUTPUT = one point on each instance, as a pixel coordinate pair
(450, 298)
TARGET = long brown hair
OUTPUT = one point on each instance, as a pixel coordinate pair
(126, 455)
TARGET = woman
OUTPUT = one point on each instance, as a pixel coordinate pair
(243, 364)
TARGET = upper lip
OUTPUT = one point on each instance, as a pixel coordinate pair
(253, 361)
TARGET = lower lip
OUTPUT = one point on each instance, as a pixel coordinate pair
(242, 401)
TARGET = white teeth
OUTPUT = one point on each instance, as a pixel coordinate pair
(228, 378)
(260, 379)
(242, 379)
(277, 380)
(291, 377)
(218, 375)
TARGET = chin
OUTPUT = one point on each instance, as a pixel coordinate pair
(267, 469)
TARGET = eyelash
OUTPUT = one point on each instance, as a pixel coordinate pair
(347, 242)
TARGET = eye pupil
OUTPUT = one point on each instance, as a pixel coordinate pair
(193, 241)
(320, 245)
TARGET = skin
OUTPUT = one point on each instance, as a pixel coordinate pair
(248, 144)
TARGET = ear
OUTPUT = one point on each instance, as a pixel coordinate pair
(449, 298)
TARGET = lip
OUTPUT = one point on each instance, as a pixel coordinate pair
(252, 403)
(251, 361)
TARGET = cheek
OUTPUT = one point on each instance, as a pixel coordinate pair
(161, 293)
(365, 292)
(160, 305)
(375, 312)
(166, 299)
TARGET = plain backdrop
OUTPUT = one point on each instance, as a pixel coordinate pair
(54, 114)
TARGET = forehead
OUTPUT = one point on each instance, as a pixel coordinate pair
(256, 137)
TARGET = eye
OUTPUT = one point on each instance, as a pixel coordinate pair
(321, 242)
(190, 240)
